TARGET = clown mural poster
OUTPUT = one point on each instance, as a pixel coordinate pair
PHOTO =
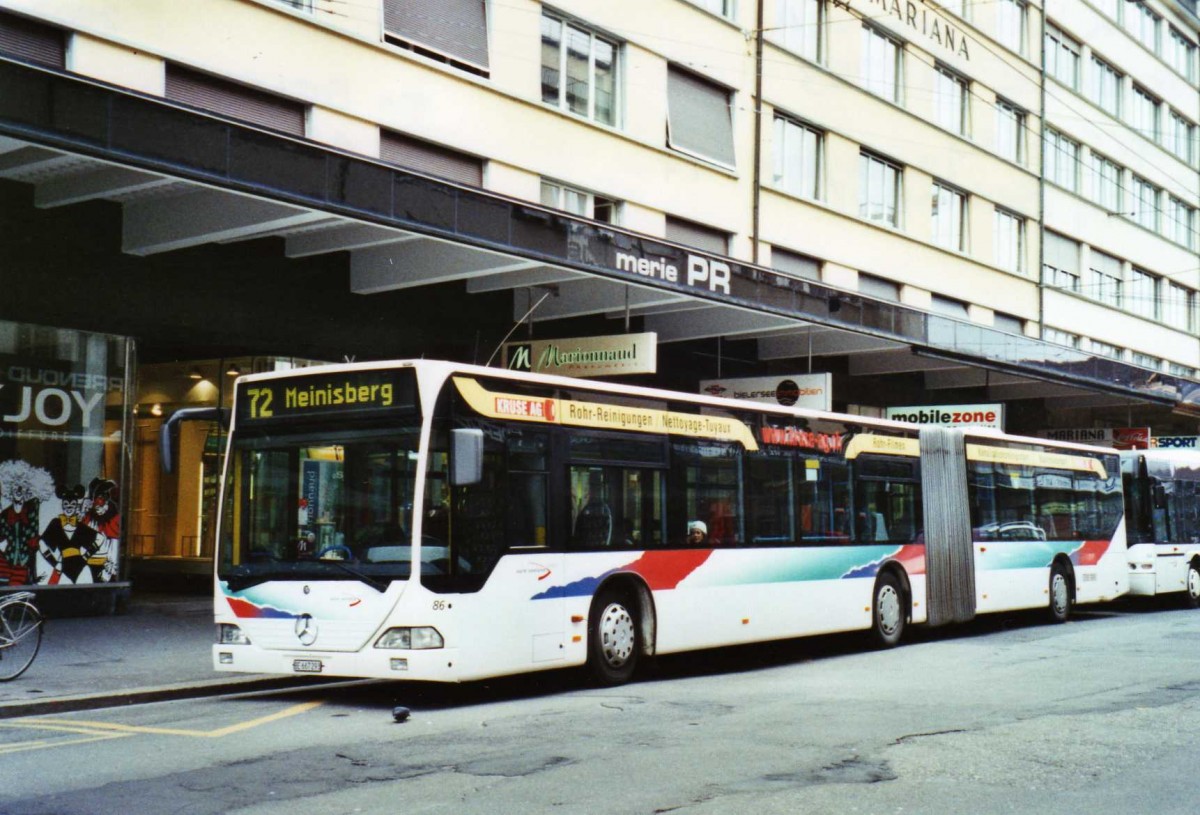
(61, 423)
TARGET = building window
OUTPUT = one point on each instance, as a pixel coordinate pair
(1011, 24)
(1144, 113)
(951, 101)
(878, 190)
(579, 70)
(1103, 349)
(234, 100)
(1062, 57)
(1181, 54)
(699, 117)
(881, 67)
(1104, 86)
(1105, 182)
(1175, 369)
(1059, 337)
(800, 25)
(723, 8)
(299, 5)
(1146, 361)
(1142, 23)
(452, 31)
(949, 216)
(1181, 138)
(1010, 131)
(1142, 298)
(797, 158)
(700, 236)
(1061, 266)
(1145, 203)
(1062, 160)
(427, 157)
(1181, 222)
(949, 307)
(1179, 305)
(1010, 241)
(579, 202)
(1104, 278)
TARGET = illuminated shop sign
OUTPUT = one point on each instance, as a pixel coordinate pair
(585, 356)
(1119, 438)
(812, 391)
(982, 415)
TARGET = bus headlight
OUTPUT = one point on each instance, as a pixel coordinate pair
(228, 634)
(411, 639)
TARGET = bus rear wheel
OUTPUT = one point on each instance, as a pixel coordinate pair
(613, 639)
(1060, 594)
(1191, 592)
(887, 612)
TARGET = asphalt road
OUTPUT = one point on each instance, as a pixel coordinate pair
(1101, 715)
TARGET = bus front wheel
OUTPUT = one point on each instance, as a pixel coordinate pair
(887, 612)
(613, 638)
(1191, 594)
(1060, 594)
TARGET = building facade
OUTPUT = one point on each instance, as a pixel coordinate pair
(933, 203)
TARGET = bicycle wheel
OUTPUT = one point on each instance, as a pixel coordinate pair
(20, 638)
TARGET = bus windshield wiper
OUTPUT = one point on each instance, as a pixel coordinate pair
(375, 583)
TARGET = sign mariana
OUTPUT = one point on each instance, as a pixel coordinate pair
(925, 21)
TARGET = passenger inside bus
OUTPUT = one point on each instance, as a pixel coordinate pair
(697, 533)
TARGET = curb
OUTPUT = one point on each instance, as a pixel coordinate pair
(141, 696)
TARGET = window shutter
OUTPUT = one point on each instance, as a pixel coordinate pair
(699, 119)
(1061, 253)
(878, 287)
(795, 265)
(703, 237)
(32, 41)
(434, 159)
(457, 28)
(234, 100)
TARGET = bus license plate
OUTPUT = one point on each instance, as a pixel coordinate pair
(307, 666)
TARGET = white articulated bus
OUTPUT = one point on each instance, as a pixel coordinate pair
(1162, 498)
(435, 521)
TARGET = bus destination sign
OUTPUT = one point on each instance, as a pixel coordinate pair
(313, 394)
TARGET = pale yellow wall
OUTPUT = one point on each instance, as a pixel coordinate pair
(114, 63)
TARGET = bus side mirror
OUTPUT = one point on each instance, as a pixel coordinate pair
(466, 456)
(168, 432)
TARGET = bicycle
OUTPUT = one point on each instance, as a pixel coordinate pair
(20, 634)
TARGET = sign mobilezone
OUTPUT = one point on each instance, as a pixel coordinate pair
(981, 415)
(813, 391)
(585, 356)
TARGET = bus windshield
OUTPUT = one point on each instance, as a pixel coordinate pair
(319, 506)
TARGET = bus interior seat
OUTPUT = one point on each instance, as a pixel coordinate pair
(593, 526)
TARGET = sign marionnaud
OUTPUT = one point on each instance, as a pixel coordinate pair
(989, 414)
(585, 356)
(814, 391)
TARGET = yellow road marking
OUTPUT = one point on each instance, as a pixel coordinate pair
(114, 729)
(42, 744)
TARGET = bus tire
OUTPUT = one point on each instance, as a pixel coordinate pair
(1191, 590)
(613, 638)
(1060, 593)
(888, 616)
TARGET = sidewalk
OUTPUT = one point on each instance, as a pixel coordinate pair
(161, 648)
